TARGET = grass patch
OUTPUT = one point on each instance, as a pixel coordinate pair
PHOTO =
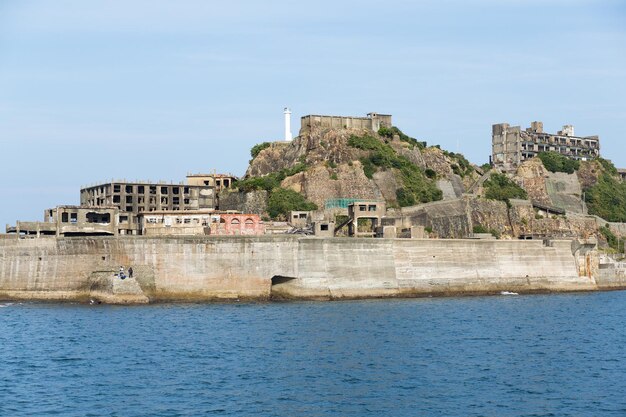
(500, 187)
(555, 162)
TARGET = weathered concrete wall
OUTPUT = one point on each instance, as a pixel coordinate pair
(398, 267)
(165, 268)
(208, 268)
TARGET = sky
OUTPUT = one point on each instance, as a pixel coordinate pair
(154, 89)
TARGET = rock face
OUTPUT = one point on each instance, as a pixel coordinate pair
(334, 169)
(553, 189)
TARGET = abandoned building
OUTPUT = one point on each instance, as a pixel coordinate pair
(72, 221)
(373, 122)
(365, 217)
(199, 192)
(511, 145)
(200, 222)
(217, 181)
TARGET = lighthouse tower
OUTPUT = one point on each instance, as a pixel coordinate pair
(288, 136)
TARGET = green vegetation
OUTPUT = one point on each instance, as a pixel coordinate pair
(607, 198)
(256, 149)
(283, 200)
(417, 188)
(482, 229)
(607, 165)
(388, 132)
(430, 173)
(555, 162)
(334, 176)
(613, 241)
(479, 228)
(270, 181)
(486, 167)
(500, 187)
(462, 166)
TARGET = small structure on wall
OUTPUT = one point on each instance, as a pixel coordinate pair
(201, 222)
(72, 221)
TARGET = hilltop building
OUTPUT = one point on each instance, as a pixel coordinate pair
(373, 122)
(511, 145)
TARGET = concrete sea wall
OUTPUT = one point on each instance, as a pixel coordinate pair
(211, 268)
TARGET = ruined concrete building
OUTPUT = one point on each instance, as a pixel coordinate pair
(373, 122)
(199, 192)
(511, 145)
(73, 221)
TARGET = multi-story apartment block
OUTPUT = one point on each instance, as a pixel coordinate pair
(511, 145)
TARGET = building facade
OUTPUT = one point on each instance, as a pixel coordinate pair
(200, 222)
(136, 198)
(75, 221)
(373, 122)
(511, 145)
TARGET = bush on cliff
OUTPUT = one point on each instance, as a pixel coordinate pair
(611, 239)
(462, 166)
(270, 181)
(417, 188)
(555, 162)
(500, 187)
(284, 200)
(256, 149)
(388, 132)
(607, 198)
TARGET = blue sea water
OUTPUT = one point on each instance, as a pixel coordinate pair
(542, 355)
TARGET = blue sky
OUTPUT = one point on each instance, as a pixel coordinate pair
(154, 89)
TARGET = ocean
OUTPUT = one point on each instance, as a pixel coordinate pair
(536, 355)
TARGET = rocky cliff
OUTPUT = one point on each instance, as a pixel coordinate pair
(335, 167)
(326, 164)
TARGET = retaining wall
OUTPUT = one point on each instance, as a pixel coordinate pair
(213, 267)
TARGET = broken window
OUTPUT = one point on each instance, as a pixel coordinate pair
(123, 219)
(140, 189)
(323, 227)
(362, 208)
(187, 221)
(164, 190)
(98, 218)
(64, 217)
(129, 208)
(372, 207)
(153, 189)
(117, 188)
(303, 215)
(129, 199)
(73, 217)
(129, 189)
(175, 190)
(186, 190)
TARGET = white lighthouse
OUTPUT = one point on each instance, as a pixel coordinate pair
(288, 136)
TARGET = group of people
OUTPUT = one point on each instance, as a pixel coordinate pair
(122, 274)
